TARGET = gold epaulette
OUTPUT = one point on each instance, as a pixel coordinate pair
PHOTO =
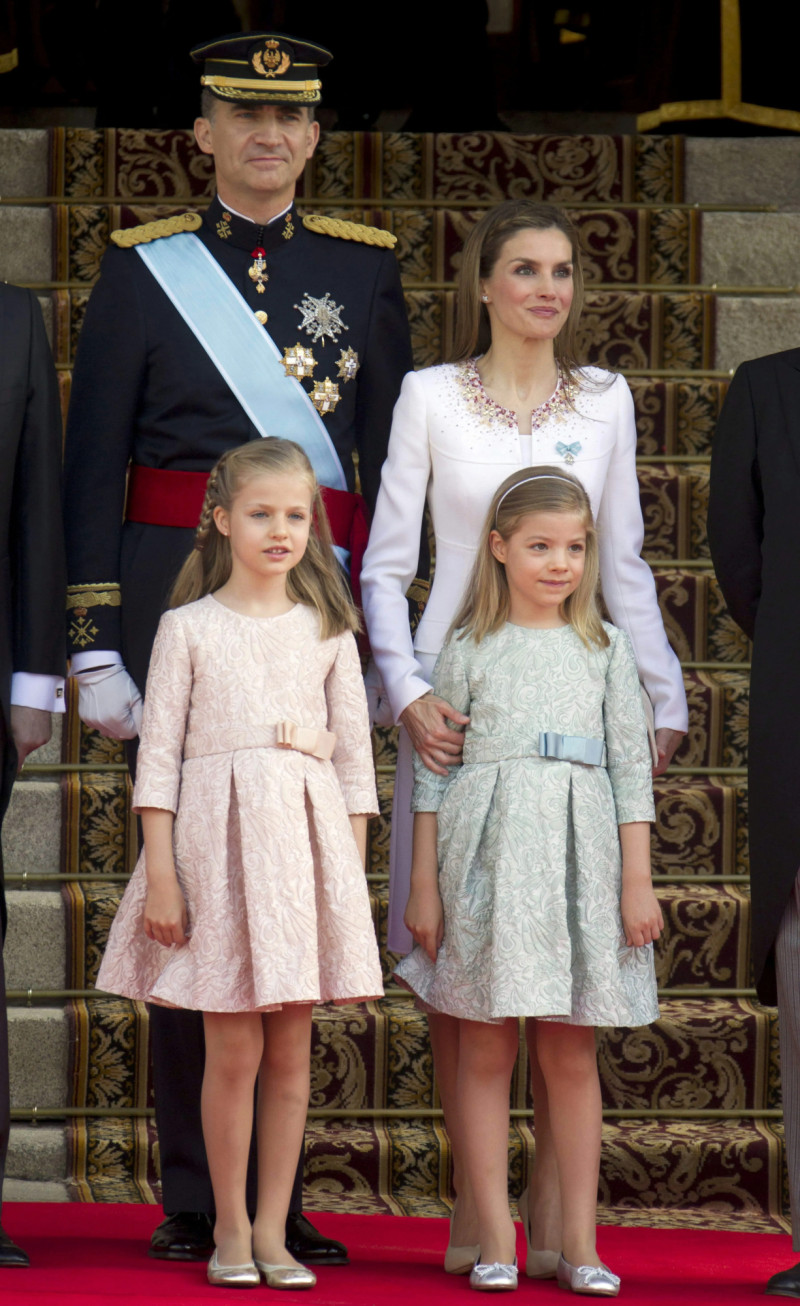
(349, 231)
(127, 237)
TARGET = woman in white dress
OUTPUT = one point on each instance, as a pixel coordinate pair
(514, 396)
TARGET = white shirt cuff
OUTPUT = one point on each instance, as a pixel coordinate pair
(32, 689)
(99, 658)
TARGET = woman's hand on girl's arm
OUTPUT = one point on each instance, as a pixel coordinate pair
(642, 920)
(424, 916)
(165, 917)
(426, 722)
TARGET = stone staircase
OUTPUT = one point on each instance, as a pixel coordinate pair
(691, 264)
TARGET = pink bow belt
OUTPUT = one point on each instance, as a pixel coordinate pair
(284, 734)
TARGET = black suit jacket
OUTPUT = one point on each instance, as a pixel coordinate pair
(754, 534)
(32, 569)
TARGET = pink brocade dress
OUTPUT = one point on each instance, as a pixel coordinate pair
(276, 894)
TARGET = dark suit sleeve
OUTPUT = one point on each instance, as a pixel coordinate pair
(736, 506)
(38, 578)
(107, 385)
(387, 360)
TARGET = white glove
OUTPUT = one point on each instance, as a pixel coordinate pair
(109, 701)
(380, 712)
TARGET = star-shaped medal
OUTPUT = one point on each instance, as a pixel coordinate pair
(325, 396)
(321, 317)
(298, 361)
(347, 364)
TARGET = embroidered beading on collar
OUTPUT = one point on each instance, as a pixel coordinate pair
(488, 410)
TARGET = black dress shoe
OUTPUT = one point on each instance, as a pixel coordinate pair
(11, 1256)
(184, 1236)
(786, 1283)
(306, 1244)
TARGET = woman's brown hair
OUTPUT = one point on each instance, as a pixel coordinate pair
(486, 604)
(317, 579)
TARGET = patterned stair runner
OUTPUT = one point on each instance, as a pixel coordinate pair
(692, 1129)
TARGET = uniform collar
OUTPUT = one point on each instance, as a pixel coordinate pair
(241, 233)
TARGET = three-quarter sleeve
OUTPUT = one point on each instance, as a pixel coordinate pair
(627, 746)
(390, 562)
(628, 586)
(348, 718)
(166, 708)
(450, 682)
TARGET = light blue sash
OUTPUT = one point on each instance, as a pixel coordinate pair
(241, 349)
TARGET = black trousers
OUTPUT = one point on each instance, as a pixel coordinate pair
(178, 1046)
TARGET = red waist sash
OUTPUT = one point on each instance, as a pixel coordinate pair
(157, 497)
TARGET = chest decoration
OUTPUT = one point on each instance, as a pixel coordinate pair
(298, 361)
(325, 396)
(258, 272)
(568, 451)
(347, 364)
(321, 317)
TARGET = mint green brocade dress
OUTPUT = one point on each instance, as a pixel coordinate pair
(529, 852)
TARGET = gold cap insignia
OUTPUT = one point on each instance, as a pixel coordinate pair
(272, 61)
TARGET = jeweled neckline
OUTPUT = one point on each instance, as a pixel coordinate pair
(470, 380)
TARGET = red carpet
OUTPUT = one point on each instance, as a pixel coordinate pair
(96, 1254)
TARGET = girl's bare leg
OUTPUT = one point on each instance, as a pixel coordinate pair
(486, 1060)
(444, 1036)
(568, 1062)
(283, 1089)
(234, 1044)
(544, 1192)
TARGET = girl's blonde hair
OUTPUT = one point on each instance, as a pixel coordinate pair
(534, 489)
(482, 249)
(317, 579)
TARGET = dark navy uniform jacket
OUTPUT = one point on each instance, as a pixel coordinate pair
(144, 390)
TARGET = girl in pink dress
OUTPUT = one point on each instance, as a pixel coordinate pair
(254, 785)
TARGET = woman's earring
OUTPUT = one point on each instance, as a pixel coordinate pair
(485, 299)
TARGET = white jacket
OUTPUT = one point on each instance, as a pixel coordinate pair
(454, 445)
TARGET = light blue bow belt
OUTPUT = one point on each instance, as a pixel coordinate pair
(490, 750)
(572, 748)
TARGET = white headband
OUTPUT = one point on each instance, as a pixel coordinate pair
(543, 476)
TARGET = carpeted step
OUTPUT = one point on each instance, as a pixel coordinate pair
(674, 501)
(718, 718)
(698, 624)
(483, 167)
(676, 416)
(705, 944)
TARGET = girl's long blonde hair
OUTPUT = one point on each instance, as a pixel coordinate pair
(534, 489)
(317, 579)
(482, 249)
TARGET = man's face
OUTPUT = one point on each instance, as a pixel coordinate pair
(259, 150)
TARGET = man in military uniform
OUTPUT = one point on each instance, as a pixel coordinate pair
(158, 384)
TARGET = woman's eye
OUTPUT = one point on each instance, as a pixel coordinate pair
(564, 273)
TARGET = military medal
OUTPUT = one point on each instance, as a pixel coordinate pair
(298, 361)
(325, 396)
(321, 317)
(347, 363)
(258, 272)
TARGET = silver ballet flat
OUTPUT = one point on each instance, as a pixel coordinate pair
(286, 1276)
(494, 1277)
(232, 1276)
(591, 1280)
(538, 1265)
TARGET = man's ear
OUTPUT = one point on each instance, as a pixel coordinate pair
(203, 135)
